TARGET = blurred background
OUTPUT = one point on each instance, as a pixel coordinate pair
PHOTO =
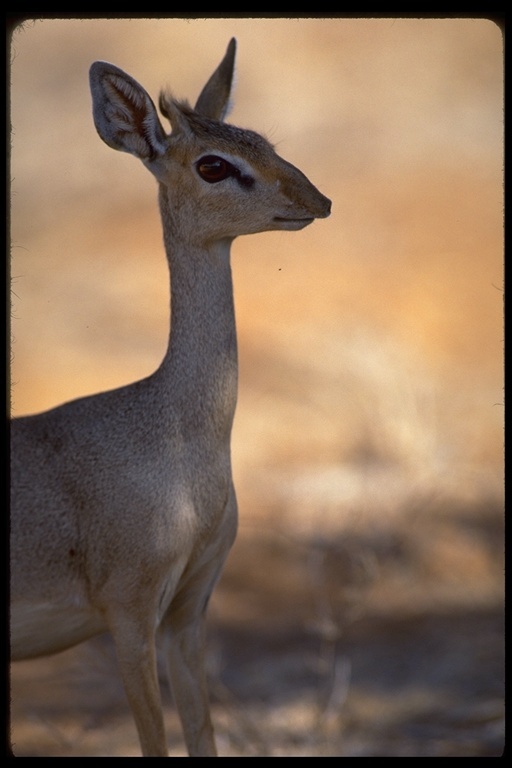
(361, 610)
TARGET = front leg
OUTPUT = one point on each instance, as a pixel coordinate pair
(185, 656)
(183, 635)
(136, 653)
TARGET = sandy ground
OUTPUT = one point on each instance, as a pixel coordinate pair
(361, 609)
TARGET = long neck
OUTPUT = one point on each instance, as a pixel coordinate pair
(199, 371)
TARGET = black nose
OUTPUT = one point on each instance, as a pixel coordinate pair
(327, 207)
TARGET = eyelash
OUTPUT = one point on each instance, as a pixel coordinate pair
(213, 169)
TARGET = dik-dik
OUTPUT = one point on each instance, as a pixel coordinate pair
(123, 506)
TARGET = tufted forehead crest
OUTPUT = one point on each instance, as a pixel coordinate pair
(227, 137)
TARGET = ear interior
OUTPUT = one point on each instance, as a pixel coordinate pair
(124, 114)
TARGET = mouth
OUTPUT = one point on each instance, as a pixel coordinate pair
(286, 223)
(285, 218)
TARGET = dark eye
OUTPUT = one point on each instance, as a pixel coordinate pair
(213, 169)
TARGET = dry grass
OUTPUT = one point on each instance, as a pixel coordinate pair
(361, 610)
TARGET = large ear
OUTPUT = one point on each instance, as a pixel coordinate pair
(124, 115)
(213, 100)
